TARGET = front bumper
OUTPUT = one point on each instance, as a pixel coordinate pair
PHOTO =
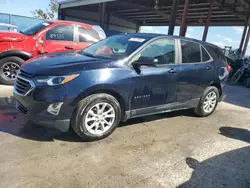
(36, 112)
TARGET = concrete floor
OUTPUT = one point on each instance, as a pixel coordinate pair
(169, 150)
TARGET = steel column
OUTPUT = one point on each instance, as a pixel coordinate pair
(246, 42)
(243, 35)
(102, 13)
(208, 20)
(183, 27)
(137, 28)
(173, 15)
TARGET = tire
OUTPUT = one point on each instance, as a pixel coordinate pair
(4, 62)
(80, 118)
(200, 110)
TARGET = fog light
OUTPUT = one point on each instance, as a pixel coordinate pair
(54, 108)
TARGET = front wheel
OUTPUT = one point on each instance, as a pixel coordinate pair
(208, 102)
(96, 117)
(9, 67)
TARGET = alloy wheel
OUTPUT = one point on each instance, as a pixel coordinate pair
(210, 102)
(100, 118)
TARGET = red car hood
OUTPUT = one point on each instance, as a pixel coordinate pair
(8, 36)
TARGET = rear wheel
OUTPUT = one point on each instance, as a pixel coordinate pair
(9, 67)
(208, 102)
(96, 117)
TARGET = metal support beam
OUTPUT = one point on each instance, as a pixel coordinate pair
(243, 34)
(137, 28)
(174, 10)
(183, 27)
(246, 42)
(208, 20)
(102, 13)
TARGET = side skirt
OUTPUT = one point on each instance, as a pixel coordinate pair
(161, 109)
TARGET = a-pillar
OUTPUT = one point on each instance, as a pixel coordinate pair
(183, 27)
(210, 10)
(244, 34)
(173, 15)
(246, 42)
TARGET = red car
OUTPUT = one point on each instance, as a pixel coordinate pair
(44, 37)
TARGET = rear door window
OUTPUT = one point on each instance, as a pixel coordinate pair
(191, 52)
(87, 35)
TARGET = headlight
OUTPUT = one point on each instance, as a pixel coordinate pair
(57, 80)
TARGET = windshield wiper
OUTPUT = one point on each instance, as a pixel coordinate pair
(88, 54)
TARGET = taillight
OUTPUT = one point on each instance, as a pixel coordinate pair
(228, 68)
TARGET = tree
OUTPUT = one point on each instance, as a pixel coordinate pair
(49, 14)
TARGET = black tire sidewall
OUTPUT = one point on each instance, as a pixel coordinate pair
(199, 110)
(15, 59)
(84, 106)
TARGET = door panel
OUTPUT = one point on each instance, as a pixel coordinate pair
(197, 71)
(154, 86)
(193, 79)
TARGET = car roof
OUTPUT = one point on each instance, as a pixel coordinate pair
(70, 22)
(154, 35)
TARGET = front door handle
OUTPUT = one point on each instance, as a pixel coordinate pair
(173, 71)
(209, 67)
(69, 47)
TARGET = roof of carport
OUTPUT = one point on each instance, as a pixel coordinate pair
(143, 12)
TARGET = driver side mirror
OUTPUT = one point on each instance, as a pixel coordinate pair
(144, 61)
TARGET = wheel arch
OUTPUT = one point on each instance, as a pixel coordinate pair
(218, 86)
(108, 91)
(21, 54)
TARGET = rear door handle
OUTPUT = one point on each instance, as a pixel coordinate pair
(172, 71)
(69, 47)
(209, 67)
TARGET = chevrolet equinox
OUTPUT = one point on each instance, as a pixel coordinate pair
(121, 77)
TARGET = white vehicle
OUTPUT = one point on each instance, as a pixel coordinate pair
(9, 27)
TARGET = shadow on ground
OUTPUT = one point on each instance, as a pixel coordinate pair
(14, 123)
(230, 169)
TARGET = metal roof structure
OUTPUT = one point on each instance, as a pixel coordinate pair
(157, 12)
(129, 15)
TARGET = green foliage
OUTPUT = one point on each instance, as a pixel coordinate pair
(50, 13)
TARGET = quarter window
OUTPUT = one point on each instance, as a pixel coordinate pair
(61, 33)
(205, 56)
(161, 50)
(191, 52)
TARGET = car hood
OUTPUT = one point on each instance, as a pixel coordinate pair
(63, 63)
(8, 36)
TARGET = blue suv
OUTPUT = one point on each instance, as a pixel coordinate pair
(121, 77)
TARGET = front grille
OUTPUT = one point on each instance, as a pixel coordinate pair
(21, 108)
(22, 86)
(25, 74)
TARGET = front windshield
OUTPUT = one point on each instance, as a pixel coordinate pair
(35, 28)
(116, 47)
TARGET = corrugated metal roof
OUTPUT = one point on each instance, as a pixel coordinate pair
(74, 3)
